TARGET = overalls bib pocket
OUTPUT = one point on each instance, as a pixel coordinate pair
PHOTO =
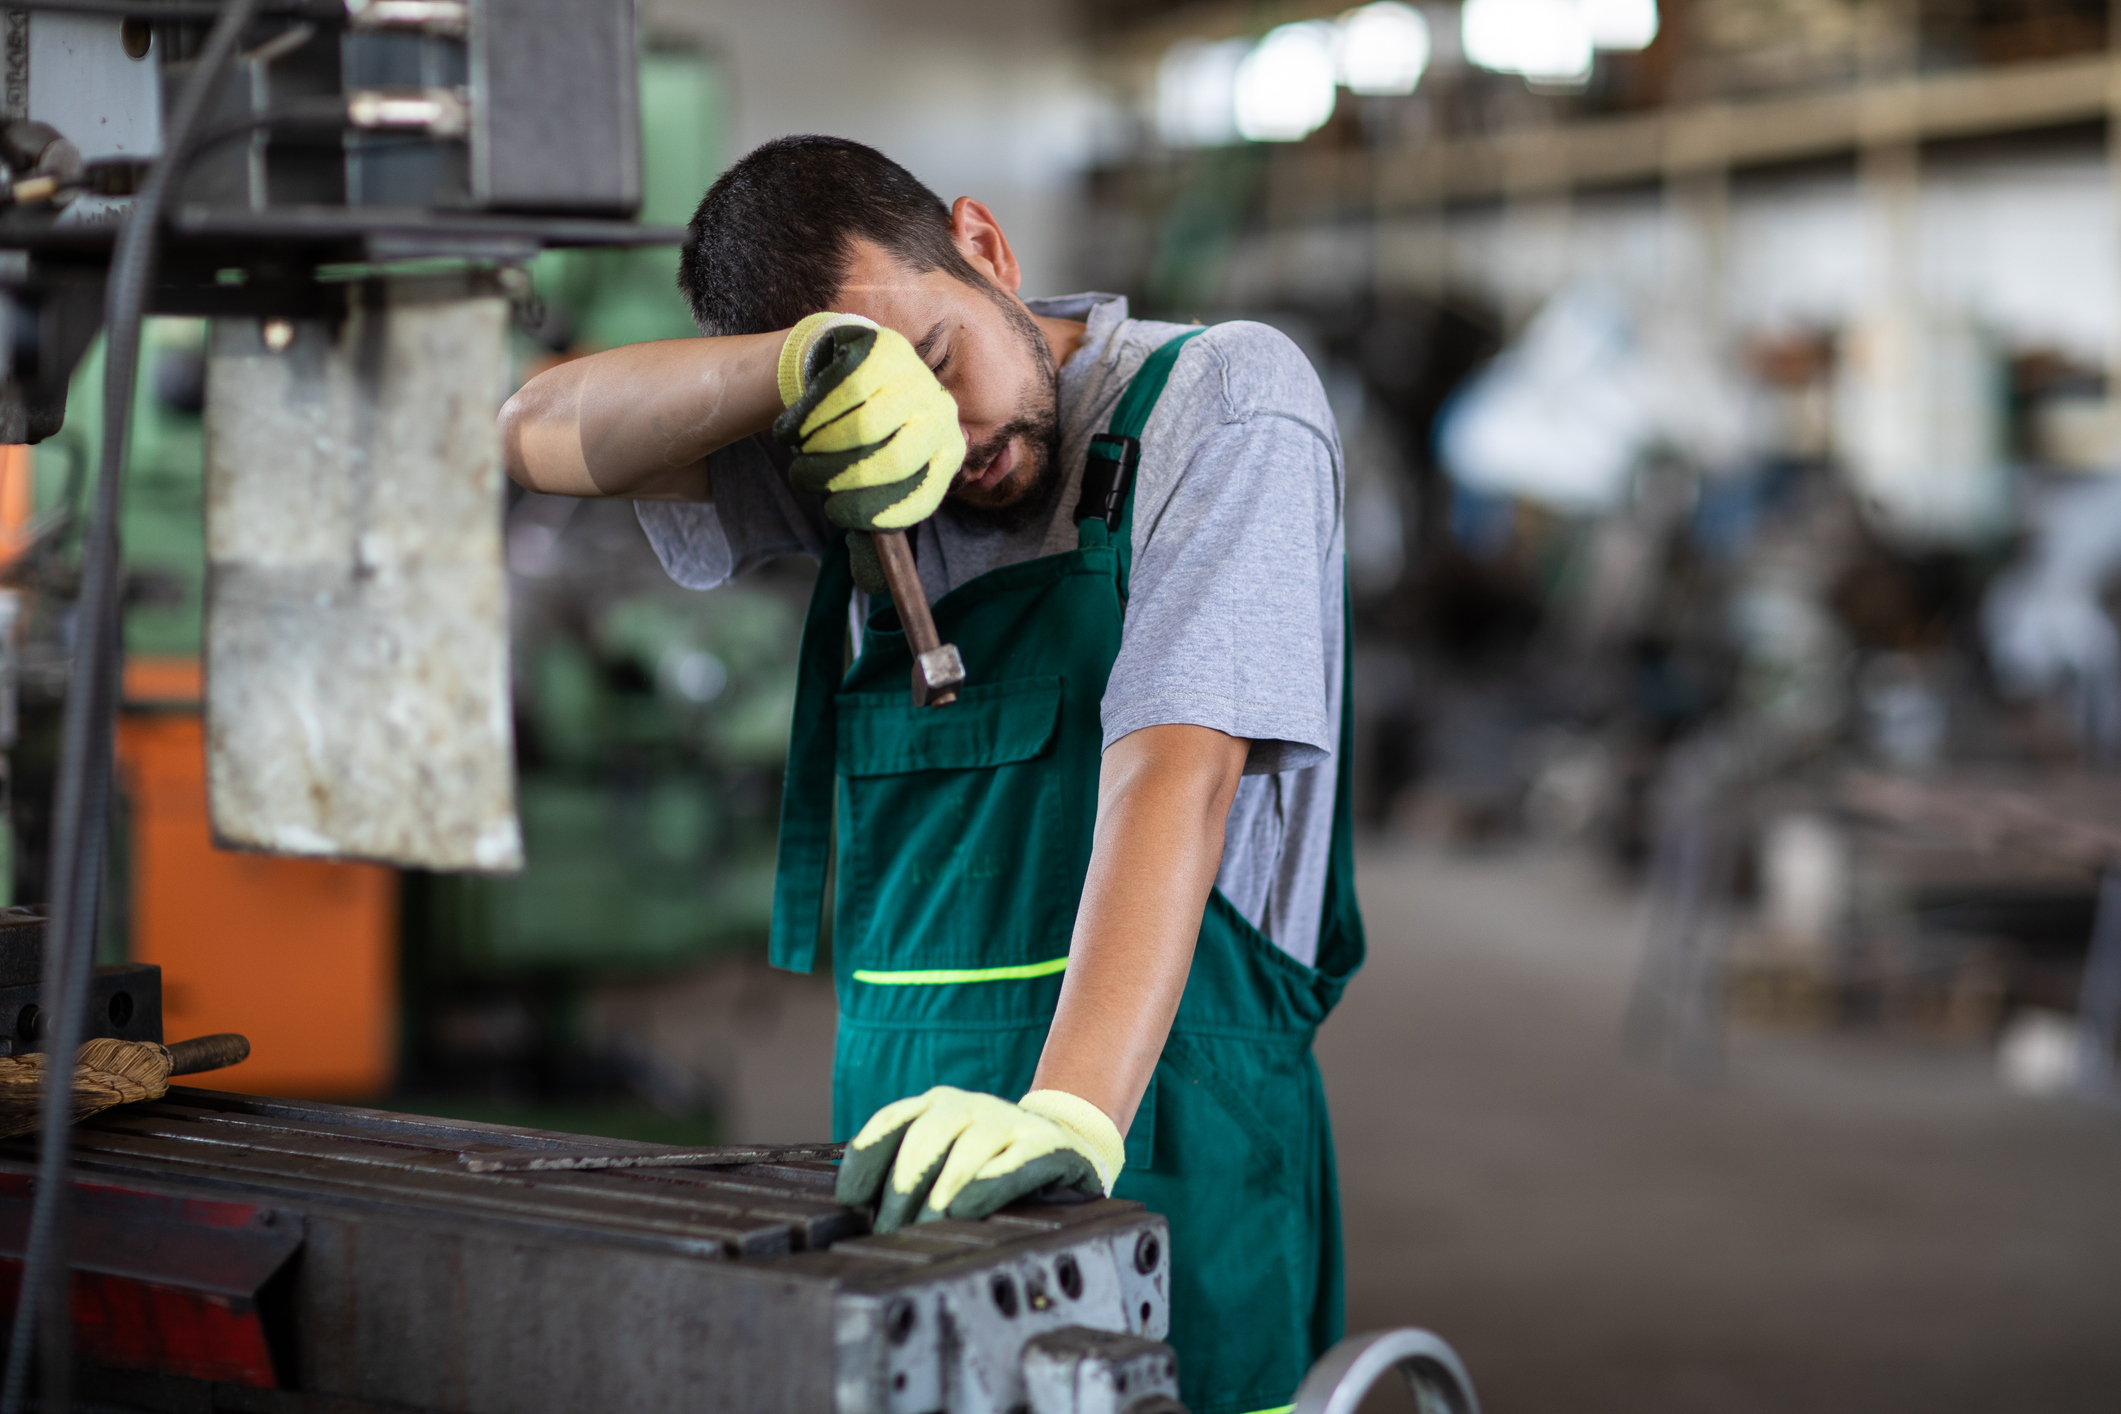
(950, 814)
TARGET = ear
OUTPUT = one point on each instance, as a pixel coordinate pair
(979, 237)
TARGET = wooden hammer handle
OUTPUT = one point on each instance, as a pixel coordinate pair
(937, 670)
(208, 1053)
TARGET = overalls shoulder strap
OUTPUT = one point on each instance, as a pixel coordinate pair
(1106, 510)
(805, 854)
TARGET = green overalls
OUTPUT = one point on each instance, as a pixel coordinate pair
(964, 838)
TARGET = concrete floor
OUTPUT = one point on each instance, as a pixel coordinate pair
(1838, 1224)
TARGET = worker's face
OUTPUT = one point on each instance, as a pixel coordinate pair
(990, 354)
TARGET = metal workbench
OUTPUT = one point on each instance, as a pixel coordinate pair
(271, 1255)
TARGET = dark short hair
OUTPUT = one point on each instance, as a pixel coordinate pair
(772, 239)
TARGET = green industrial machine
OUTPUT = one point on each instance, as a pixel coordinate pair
(653, 733)
(164, 525)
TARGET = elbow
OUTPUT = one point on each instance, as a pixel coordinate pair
(541, 444)
(514, 413)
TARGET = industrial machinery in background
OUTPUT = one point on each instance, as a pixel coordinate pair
(650, 726)
(273, 167)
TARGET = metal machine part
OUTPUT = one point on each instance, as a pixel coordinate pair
(1084, 1371)
(49, 314)
(75, 73)
(125, 999)
(172, 1282)
(722, 1156)
(1347, 1372)
(556, 122)
(488, 105)
(422, 1286)
(357, 690)
(966, 1325)
(347, 131)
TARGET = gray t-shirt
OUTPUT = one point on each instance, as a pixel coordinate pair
(1234, 609)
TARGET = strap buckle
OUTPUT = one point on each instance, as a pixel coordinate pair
(1108, 474)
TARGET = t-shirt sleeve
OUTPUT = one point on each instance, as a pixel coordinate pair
(1235, 530)
(754, 517)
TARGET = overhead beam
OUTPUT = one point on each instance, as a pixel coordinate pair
(1756, 133)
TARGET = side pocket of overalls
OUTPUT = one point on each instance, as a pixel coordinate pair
(1243, 1169)
(1228, 1178)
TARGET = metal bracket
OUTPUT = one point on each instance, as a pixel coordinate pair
(1084, 1371)
(1108, 472)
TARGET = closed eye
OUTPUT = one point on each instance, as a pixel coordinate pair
(927, 346)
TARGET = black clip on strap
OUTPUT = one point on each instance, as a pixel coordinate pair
(1108, 474)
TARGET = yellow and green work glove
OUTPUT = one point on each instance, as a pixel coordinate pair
(873, 432)
(952, 1153)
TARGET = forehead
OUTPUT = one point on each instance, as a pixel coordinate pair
(882, 287)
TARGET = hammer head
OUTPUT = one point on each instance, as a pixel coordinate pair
(937, 675)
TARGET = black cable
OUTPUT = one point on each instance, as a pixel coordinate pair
(324, 114)
(82, 800)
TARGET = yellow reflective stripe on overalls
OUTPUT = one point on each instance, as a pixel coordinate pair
(947, 976)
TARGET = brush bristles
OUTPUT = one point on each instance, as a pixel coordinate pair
(106, 1072)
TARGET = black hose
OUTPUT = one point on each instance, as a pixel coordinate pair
(81, 802)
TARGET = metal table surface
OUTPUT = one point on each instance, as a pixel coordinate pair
(417, 1284)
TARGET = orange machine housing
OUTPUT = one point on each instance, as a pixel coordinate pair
(299, 955)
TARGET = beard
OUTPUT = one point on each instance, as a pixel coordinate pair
(1027, 495)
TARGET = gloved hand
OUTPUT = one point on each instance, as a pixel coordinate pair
(953, 1153)
(874, 433)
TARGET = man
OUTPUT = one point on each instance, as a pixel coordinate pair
(1112, 878)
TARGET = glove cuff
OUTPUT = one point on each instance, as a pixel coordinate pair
(1083, 1121)
(795, 349)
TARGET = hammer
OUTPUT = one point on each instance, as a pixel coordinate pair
(938, 671)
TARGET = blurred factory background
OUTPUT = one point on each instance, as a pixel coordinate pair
(1734, 524)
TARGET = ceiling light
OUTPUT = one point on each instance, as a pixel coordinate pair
(1547, 41)
(1383, 48)
(1285, 87)
(1620, 24)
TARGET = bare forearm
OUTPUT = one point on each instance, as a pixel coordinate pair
(1163, 796)
(640, 421)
